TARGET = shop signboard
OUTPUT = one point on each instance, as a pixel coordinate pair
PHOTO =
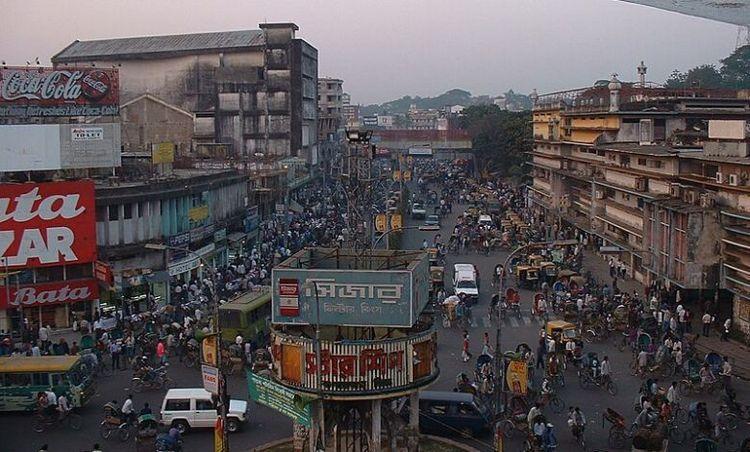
(198, 213)
(210, 376)
(355, 366)
(201, 232)
(44, 294)
(517, 377)
(179, 240)
(289, 297)
(381, 222)
(392, 298)
(210, 350)
(273, 395)
(103, 273)
(220, 235)
(51, 223)
(70, 91)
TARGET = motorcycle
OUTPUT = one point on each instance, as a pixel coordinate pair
(153, 379)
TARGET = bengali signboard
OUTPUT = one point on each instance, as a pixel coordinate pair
(51, 223)
(44, 294)
(517, 377)
(273, 395)
(45, 91)
(210, 377)
(355, 366)
(103, 273)
(353, 297)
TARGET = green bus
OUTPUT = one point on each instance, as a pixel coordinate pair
(23, 377)
(248, 315)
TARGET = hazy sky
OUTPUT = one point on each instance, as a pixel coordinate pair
(385, 49)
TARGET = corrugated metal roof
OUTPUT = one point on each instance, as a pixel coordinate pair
(156, 45)
(730, 11)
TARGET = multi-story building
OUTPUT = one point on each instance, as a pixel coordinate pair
(635, 167)
(252, 91)
(330, 104)
(198, 210)
(349, 111)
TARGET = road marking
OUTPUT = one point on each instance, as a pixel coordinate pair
(526, 320)
(513, 322)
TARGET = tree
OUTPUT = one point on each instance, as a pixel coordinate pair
(735, 69)
(703, 76)
(500, 139)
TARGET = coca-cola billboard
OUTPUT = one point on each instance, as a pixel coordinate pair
(51, 293)
(46, 224)
(45, 91)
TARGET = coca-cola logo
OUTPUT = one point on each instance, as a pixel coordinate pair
(31, 296)
(54, 85)
(30, 205)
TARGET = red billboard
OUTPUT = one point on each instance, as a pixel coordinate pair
(47, 224)
(66, 91)
(48, 294)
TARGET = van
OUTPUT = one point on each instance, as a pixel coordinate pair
(466, 281)
(445, 412)
(485, 220)
(186, 408)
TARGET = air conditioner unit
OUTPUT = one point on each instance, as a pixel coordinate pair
(719, 178)
(674, 190)
(599, 194)
(734, 180)
(641, 183)
(707, 200)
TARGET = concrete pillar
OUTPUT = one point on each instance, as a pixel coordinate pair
(312, 438)
(413, 441)
(376, 426)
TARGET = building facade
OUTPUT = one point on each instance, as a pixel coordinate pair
(634, 167)
(252, 91)
(330, 105)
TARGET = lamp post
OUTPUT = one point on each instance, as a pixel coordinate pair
(223, 398)
(318, 367)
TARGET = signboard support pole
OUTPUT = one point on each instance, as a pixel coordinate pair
(376, 424)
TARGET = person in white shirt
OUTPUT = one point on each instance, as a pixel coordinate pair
(673, 394)
(51, 398)
(62, 405)
(127, 408)
(706, 320)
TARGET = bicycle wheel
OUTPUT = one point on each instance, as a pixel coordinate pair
(612, 388)
(74, 421)
(105, 430)
(732, 421)
(617, 438)
(37, 424)
(123, 433)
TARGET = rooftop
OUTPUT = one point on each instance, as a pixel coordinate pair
(718, 158)
(635, 148)
(155, 46)
(730, 11)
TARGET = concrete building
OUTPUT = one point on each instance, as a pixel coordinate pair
(253, 91)
(635, 167)
(330, 104)
(201, 210)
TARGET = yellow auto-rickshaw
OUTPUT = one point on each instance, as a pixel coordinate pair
(561, 331)
(436, 280)
(527, 276)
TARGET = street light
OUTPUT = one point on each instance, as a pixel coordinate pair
(217, 331)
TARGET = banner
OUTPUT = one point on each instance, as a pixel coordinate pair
(46, 91)
(103, 273)
(210, 350)
(60, 292)
(163, 153)
(396, 222)
(199, 213)
(517, 377)
(381, 222)
(51, 223)
(273, 395)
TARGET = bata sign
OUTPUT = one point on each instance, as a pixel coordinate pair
(47, 224)
(41, 91)
(52, 293)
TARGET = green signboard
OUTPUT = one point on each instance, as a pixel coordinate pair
(271, 394)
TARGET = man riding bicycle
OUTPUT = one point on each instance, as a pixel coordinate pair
(576, 421)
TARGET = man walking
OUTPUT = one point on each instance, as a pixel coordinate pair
(465, 354)
(706, 319)
(725, 332)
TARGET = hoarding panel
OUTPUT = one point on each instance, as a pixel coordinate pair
(46, 224)
(349, 297)
(50, 293)
(29, 147)
(46, 91)
(90, 146)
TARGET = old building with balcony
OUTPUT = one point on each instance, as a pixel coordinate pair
(647, 170)
(251, 91)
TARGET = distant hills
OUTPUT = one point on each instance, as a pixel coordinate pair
(452, 97)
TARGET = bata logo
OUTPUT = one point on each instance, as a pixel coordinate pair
(55, 85)
(30, 296)
(47, 244)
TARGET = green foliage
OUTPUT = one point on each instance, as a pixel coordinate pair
(500, 139)
(734, 73)
(451, 97)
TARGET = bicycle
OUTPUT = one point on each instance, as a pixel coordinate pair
(42, 421)
(553, 400)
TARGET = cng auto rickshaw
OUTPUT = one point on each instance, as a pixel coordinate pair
(561, 331)
(527, 276)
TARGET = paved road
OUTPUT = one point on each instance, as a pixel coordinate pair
(266, 425)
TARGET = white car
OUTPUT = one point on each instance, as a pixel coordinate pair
(186, 408)
(466, 281)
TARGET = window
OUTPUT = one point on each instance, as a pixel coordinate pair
(78, 271)
(465, 409)
(113, 214)
(17, 379)
(47, 274)
(642, 162)
(57, 379)
(40, 379)
(128, 211)
(142, 207)
(205, 404)
(177, 405)
(101, 213)
(439, 409)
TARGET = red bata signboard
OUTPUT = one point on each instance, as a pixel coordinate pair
(47, 224)
(48, 294)
(289, 297)
(44, 91)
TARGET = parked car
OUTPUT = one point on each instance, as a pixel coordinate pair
(445, 412)
(187, 408)
(466, 282)
(432, 220)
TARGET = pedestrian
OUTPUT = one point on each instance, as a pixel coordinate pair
(44, 337)
(486, 347)
(161, 354)
(114, 351)
(725, 332)
(706, 319)
(465, 354)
